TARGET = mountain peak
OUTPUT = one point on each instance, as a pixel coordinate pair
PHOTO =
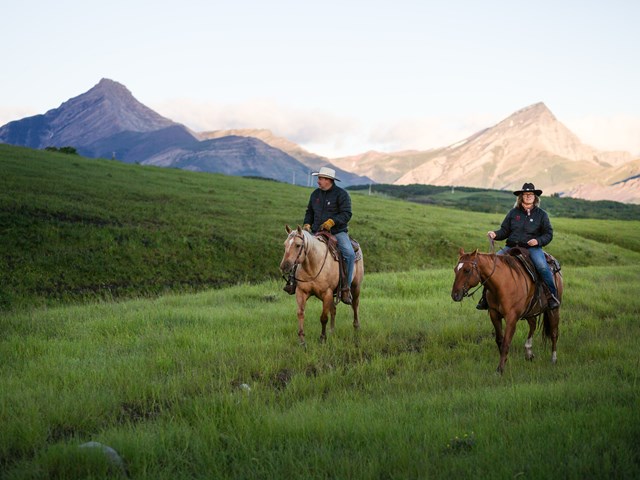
(107, 109)
(111, 87)
(536, 113)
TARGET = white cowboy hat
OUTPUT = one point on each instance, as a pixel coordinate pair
(327, 172)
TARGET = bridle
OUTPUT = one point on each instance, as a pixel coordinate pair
(474, 268)
(297, 262)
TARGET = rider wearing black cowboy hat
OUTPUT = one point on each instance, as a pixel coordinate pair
(528, 226)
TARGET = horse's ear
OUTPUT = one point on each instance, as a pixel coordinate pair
(475, 252)
(299, 229)
(288, 229)
(461, 251)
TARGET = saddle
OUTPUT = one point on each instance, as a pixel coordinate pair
(522, 254)
(332, 245)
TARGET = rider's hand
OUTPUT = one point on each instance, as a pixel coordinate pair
(533, 242)
(491, 235)
(327, 225)
(307, 227)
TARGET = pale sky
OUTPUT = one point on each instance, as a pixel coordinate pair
(338, 77)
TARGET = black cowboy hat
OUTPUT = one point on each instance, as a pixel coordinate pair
(528, 187)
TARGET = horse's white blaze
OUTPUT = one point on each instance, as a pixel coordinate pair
(291, 241)
(459, 267)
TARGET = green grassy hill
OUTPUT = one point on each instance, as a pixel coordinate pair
(74, 229)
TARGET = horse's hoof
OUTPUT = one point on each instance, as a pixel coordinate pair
(323, 338)
(529, 358)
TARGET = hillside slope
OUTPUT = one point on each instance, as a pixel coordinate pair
(75, 228)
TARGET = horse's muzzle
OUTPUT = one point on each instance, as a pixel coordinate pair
(286, 267)
(457, 295)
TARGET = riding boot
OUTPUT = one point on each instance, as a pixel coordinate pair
(552, 301)
(482, 304)
(345, 291)
(345, 296)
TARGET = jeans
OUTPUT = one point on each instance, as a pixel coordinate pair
(346, 249)
(539, 260)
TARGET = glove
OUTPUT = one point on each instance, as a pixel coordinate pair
(327, 225)
(307, 227)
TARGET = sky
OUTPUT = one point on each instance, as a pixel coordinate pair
(338, 77)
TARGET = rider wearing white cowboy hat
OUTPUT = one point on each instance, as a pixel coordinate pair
(527, 226)
(329, 208)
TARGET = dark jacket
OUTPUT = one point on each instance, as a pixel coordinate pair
(518, 227)
(334, 204)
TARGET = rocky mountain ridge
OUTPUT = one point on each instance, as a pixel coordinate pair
(529, 145)
(108, 122)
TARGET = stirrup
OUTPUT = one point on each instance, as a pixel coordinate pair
(552, 302)
(345, 296)
(482, 304)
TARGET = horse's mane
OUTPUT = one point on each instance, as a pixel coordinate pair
(512, 262)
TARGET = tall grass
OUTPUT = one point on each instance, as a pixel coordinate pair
(215, 385)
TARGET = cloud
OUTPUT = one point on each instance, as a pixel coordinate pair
(303, 127)
(12, 113)
(426, 132)
(322, 132)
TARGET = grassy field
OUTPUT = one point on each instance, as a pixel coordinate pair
(75, 229)
(142, 308)
(215, 385)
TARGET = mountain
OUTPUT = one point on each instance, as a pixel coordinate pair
(530, 145)
(385, 167)
(311, 160)
(108, 122)
(105, 110)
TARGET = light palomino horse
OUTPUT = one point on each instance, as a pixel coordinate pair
(317, 274)
(510, 293)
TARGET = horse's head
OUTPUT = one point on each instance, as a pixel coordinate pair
(294, 249)
(467, 275)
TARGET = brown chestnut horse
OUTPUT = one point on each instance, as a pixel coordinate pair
(511, 294)
(318, 274)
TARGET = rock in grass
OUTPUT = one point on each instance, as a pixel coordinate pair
(112, 456)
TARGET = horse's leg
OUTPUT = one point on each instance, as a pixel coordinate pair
(332, 314)
(528, 344)
(355, 304)
(301, 299)
(496, 319)
(327, 306)
(510, 321)
(552, 321)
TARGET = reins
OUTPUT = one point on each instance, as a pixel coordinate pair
(305, 249)
(474, 264)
